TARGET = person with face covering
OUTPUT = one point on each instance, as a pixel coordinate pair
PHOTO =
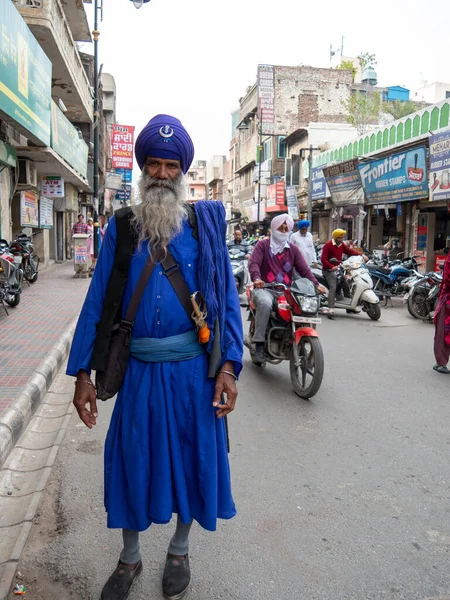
(166, 448)
(273, 260)
(335, 249)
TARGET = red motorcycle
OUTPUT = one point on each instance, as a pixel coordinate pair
(291, 334)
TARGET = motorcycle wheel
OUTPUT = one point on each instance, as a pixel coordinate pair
(373, 311)
(307, 378)
(33, 278)
(12, 299)
(417, 302)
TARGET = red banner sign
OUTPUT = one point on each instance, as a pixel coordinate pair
(275, 198)
(122, 146)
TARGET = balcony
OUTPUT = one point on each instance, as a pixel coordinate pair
(49, 25)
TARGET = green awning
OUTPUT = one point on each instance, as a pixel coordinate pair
(8, 156)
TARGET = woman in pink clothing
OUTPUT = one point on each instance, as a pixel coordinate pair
(90, 242)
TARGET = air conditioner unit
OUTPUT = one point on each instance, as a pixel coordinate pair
(28, 177)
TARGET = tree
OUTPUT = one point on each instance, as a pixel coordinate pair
(362, 108)
(348, 65)
(400, 109)
(366, 60)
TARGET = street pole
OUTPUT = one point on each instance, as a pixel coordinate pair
(258, 214)
(310, 185)
(96, 35)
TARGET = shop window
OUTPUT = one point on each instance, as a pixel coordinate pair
(192, 192)
(267, 149)
(281, 146)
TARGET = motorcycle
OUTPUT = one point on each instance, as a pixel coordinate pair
(291, 334)
(389, 279)
(239, 264)
(362, 296)
(10, 279)
(24, 257)
(423, 296)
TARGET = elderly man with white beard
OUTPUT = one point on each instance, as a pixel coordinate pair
(166, 448)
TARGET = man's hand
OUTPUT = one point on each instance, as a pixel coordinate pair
(225, 384)
(84, 395)
(335, 268)
(315, 265)
(366, 258)
(322, 289)
(259, 284)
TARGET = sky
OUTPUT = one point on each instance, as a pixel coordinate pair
(194, 59)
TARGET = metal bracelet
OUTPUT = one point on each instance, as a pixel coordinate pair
(84, 381)
(229, 373)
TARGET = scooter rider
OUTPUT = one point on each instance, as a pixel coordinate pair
(335, 249)
(273, 261)
(239, 241)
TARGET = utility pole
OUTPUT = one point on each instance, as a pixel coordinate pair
(258, 214)
(96, 35)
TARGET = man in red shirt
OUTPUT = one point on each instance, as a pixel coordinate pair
(335, 248)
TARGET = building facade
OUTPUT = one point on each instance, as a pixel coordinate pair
(196, 188)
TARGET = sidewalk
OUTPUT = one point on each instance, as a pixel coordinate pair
(46, 310)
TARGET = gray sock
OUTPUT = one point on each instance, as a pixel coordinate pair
(179, 544)
(131, 553)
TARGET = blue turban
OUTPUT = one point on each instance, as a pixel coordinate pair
(164, 137)
(301, 224)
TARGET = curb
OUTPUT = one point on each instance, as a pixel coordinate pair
(17, 416)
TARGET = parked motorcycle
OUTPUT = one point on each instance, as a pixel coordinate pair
(362, 296)
(24, 257)
(291, 334)
(423, 297)
(389, 279)
(239, 264)
(10, 279)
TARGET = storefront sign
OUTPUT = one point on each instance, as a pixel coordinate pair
(45, 213)
(25, 75)
(113, 181)
(275, 198)
(440, 166)
(29, 209)
(291, 200)
(126, 175)
(67, 142)
(320, 189)
(396, 178)
(124, 193)
(266, 98)
(52, 186)
(122, 146)
(344, 183)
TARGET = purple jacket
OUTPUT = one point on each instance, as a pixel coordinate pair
(279, 268)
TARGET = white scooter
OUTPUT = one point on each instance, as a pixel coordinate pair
(362, 296)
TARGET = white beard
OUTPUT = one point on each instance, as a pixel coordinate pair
(159, 217)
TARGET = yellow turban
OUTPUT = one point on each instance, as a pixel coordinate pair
(337, 233)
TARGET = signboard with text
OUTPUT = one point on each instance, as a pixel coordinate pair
(266, 98)
(122, 139)
(400, 177)
(440, 166)
(344, 183)
(275, 198)
(67, 143)
(126, 175)
(291, 200)
(320, 189)
(29, 209)
(45, 213)
(52, 186)
(25, 75)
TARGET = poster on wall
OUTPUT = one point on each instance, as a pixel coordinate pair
(344, 183)
(80, 253)
(29, 209)
(45, 213)
(440, 166)
(122, 145)
(399, 177)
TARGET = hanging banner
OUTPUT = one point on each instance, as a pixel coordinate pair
(52, 186)
(320, 189)
(122, 146)
(45, 213)
(126, 175)
(29, 209)
(399, 177)
(344, 183)
(291, 200)
(275, 198)
(266, 98)
(440, 166)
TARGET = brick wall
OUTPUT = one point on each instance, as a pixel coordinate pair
(307, 94)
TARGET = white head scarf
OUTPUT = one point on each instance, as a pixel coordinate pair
(279, 240)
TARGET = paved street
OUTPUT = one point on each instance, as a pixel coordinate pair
(30, 331)
(342, 497)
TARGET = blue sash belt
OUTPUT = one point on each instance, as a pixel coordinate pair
(169, 349)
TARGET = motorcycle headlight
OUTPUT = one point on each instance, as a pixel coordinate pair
(308, 304)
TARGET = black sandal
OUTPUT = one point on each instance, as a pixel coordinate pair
(119, 584)
(177, 577)
(441, 369)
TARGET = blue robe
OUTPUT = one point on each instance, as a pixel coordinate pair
(166, 451)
